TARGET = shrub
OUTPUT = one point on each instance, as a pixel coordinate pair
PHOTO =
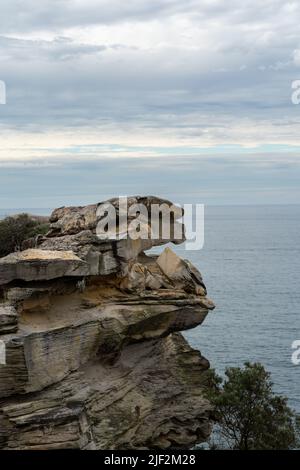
(14, 230)
(248, 414)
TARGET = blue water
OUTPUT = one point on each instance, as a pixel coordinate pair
(251, 266)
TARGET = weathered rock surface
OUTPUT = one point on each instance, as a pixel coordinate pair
(8, 319)
(37, 265)
(94, 357)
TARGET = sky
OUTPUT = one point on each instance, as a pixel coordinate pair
(189, 100)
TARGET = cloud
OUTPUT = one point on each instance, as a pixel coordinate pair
(114, 80)
(59, 49)
(55, 14)
(296, 57)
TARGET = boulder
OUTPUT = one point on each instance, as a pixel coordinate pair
(183, 274)
(37, 265)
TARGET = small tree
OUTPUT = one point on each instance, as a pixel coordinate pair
(247, 412)
(16, 229)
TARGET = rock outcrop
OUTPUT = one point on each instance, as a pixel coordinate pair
(90, 325)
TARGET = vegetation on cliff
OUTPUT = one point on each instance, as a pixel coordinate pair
(14, 230)
(248, 414)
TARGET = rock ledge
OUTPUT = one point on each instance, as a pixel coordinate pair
(94, 354)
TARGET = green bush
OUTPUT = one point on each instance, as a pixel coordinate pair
(14, 230)
(248, 414)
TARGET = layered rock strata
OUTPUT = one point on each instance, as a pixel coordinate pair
(94, 357)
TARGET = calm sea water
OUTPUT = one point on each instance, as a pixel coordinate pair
(251, 266)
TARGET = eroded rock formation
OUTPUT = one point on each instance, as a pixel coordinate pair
(94, 357)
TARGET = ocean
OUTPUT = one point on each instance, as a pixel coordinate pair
(251, 266)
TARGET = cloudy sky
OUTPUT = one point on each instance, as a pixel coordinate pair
(186, 99)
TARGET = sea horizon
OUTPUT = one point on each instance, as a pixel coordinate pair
(50, 209)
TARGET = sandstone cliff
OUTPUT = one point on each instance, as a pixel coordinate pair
(94, 357)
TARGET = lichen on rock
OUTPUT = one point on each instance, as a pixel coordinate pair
(94, 354)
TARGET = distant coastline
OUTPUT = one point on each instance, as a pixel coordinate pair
(33, 211)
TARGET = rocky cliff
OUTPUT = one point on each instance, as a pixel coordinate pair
(94, 357)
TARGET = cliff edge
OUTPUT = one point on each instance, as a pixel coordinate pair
(90, 328)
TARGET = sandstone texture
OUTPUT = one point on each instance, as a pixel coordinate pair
(91, 327)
